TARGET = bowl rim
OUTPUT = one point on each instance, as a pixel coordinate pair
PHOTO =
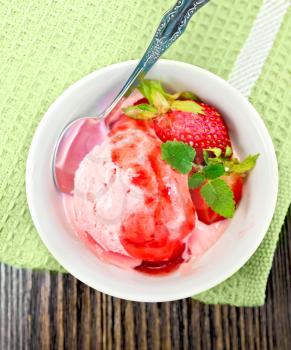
(219, 278)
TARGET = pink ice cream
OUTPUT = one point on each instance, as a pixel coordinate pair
(130, 207)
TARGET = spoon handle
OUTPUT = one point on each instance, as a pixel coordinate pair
(172, 25)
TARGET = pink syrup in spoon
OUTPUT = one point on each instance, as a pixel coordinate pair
(80, 140)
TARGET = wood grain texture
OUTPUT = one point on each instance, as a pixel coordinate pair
(42, 310)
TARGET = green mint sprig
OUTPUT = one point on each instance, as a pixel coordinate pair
(213, 188)
(219, 196)
(233, 165)
(209, 172)
(179, 155)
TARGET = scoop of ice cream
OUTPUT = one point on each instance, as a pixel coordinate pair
(130, 201)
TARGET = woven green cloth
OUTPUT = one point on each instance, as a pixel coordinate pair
(46, 45)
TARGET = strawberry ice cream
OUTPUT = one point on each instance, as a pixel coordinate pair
(129, 202)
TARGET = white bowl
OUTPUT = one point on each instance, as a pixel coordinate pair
(234, 248)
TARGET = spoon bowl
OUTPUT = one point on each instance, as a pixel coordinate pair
(77, 139)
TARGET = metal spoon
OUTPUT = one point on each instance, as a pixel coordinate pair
(172, 25)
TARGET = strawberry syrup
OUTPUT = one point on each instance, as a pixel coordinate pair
(144, 233)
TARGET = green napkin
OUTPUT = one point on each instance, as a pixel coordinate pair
(47, 45)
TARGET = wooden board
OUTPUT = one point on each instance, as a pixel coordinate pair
(41, 310)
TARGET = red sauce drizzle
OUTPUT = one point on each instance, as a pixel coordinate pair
(144, 234)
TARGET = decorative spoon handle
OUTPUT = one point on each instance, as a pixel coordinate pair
(172, 25)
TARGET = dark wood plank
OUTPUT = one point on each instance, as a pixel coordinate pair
(42, 310)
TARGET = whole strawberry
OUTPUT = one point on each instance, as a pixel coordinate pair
(202, 130)
(182, 117)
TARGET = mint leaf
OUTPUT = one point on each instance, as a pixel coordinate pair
(218, 195)
(195, 180)
(142, 111)
(208, 193)
(186, 106)
(213, 171)
(179, 155)
(247, 164)
(215, 160)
